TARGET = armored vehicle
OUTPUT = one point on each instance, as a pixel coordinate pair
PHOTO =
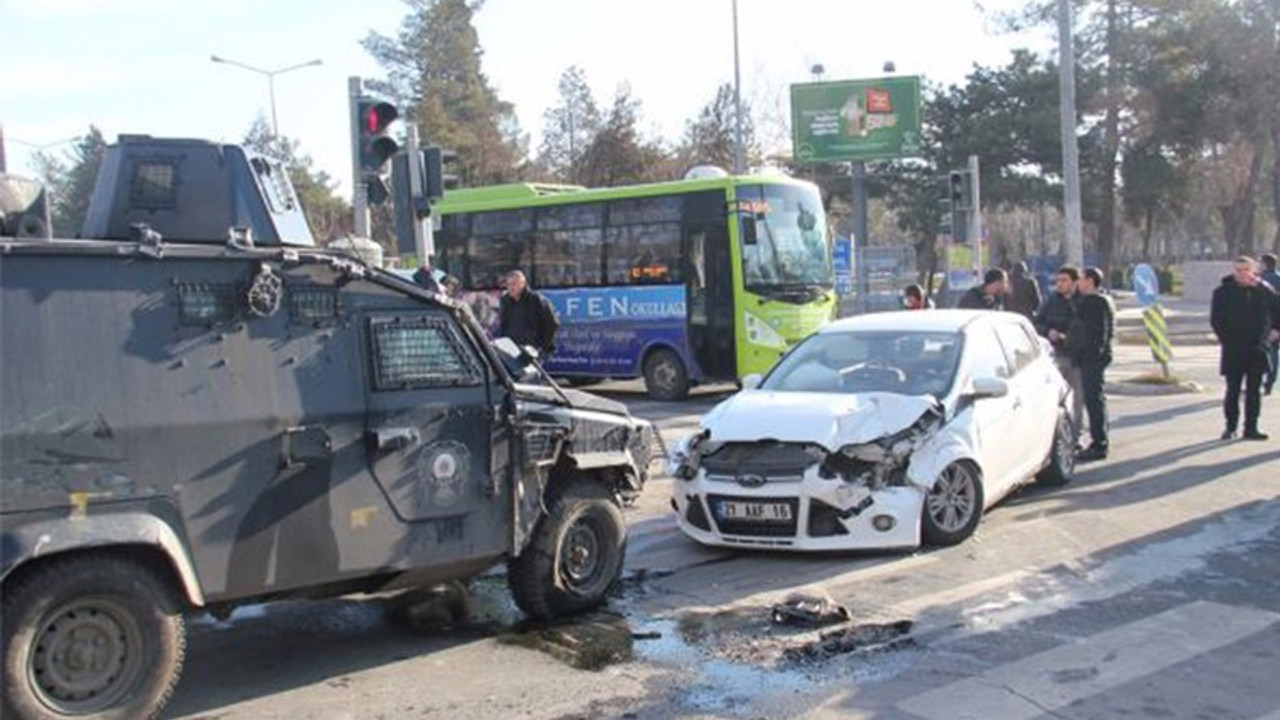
(201, 409)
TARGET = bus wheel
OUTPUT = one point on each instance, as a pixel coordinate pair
(665, 377)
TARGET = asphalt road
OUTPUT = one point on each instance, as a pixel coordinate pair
(1149, 588)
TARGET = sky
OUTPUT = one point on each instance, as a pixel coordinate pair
(143, 66)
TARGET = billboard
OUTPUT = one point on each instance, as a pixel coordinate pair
(876, 119)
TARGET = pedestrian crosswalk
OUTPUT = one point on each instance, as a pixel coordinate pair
(1054, 679)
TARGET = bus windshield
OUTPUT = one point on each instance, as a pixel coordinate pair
(784, 240)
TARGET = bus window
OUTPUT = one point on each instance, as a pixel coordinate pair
(645, 210)
(499, 243)
(568, 258)
(644, 254)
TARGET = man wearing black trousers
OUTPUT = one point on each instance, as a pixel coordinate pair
(1246, 319)
(1089, 343)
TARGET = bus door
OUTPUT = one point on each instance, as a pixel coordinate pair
(710, 297)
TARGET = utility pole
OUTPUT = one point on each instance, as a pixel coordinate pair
(1074, 244)
(739, 164)
(359, 194)
(975, 215)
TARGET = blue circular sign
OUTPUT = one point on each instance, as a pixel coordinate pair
(1146, 285)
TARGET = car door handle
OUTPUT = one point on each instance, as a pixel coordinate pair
(394, 438)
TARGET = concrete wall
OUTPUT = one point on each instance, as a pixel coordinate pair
(1201, 277)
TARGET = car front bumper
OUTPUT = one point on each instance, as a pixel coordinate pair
(824, 514)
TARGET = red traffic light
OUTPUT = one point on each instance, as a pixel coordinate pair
(378, 115)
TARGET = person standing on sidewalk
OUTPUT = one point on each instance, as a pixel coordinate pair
(1272, 278)
(1245, 315)
(1024, 292)
(1053, 320)
(989, 295)
(1089, 343)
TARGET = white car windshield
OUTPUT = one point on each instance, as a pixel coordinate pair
(904, 362)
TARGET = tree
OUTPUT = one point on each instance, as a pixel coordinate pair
(569, 128)
(710, 139)
(69, 181)
(618, 155)
(433, 68)
(328, 215)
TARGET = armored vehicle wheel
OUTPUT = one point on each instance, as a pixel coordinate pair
(90, 637)
(575, 554)
(1062, 456)
(953, 506)
(665, 377)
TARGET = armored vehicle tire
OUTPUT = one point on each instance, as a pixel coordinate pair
(90, 637)
(574, 556)
(1062, 456)
(953, 506)
(665, 377)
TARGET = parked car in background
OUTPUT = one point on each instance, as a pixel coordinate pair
(879, 431)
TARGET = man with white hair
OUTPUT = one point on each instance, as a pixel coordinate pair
(1246, 318)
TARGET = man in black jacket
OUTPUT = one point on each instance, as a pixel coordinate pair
(1089, 344)
(527, 317)
(989, 295)
(1054, 320)
(1245, 317)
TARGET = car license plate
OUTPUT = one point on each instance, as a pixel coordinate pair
(755, 511)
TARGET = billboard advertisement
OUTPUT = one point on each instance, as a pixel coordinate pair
(876, 119)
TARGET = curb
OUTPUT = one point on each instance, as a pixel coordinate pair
(1140, 338)
(1138, 389)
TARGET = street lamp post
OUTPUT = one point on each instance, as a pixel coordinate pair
(271, 81)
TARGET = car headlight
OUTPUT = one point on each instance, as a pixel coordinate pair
(686, 456)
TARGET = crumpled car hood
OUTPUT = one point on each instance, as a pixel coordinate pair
(831, 421)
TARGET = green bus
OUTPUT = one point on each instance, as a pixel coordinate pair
(693, 281)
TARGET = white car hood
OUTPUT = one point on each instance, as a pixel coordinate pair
(831, 421)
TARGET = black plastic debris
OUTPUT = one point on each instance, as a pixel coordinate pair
(864, 639)
(813, 611)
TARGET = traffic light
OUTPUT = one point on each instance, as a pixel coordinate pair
(374, 147)
(433, 160)
(954, 200)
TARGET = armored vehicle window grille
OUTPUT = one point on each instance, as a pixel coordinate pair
(312, 305)
(275, 184)
(421, 353)
(153, 186)
(206, 304)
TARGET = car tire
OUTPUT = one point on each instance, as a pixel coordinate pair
(575, 555)
(1062, 456)
(90, 637)
(665, 376)
(953, 506)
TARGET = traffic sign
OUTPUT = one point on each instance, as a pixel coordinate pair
(1146, 285)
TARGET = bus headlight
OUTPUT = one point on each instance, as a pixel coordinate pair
(760, 332)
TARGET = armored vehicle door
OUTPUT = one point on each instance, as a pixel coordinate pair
(430, 430)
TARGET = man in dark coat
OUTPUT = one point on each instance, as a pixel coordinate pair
(1089, 344)
(1024, 292)
(1245, 317)
(989, 295)
(1053, 321)
(1271, 277)
(527, 317)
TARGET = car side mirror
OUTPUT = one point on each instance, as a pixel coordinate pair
(990, 387)
(752, 381)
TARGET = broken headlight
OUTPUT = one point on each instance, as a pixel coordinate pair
(686, 457)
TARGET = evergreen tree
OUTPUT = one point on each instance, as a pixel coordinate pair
(618, 155)
(433, 68)
(710, 139)
(569, 128)
(69, 181)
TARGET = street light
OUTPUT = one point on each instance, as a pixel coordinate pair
(271, 81)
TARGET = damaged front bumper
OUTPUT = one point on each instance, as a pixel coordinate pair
(811, 513)
(802, 496)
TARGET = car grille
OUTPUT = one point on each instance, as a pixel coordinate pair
(753, 527)
(768, 460)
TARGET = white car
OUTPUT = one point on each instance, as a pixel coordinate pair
(879, 431)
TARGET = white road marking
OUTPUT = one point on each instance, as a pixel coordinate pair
(1040, 684)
